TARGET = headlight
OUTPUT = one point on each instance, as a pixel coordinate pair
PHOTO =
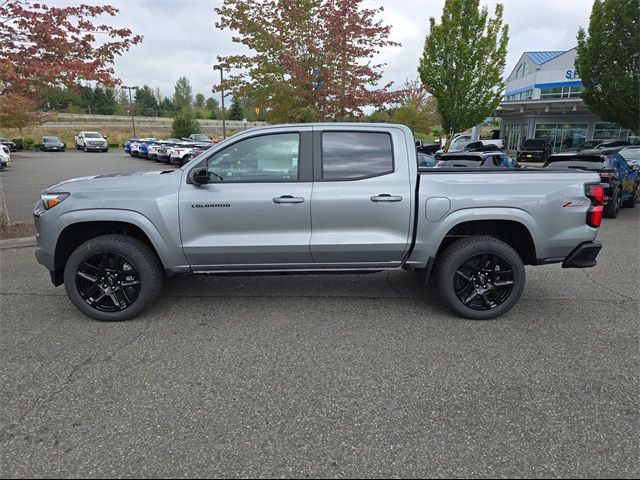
(50, 200)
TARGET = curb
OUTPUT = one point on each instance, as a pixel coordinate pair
(24, 242)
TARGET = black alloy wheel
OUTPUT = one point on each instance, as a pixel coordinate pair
(480, 277)
(113, 277)
(108, 282)
(484, 281)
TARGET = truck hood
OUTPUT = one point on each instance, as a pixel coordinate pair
(107, 178)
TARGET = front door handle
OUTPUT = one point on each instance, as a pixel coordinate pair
(385, 197)
(288, 199)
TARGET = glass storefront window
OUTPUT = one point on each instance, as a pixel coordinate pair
(573, 91)
(610, 131)
(562, 136)
(514, 135)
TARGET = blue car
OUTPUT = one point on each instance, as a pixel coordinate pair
(621, 181)
(127, 145)
(143, 150)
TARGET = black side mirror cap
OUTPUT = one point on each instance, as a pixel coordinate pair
(199, 176)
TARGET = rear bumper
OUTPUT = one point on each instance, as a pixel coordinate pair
(583, 256)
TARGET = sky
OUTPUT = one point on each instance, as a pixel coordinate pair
(180, 37)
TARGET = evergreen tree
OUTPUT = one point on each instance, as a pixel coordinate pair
(183, 94)
(185, 124)
(199, 101)
(146, 104)
(463, 63)
(609, 62)
(235, 112)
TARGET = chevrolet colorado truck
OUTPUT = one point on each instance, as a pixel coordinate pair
(347, 198)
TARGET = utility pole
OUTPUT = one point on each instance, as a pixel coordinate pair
(221, 67)
(133, 123)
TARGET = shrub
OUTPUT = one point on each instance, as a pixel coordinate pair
(185, 124)
(26, 143)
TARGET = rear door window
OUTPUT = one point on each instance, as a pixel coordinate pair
(356, 155)
(577, 162)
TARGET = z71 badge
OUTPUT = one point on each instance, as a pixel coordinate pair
(576, 203)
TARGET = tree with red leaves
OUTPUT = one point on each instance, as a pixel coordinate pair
(43, 46)
(313, 59)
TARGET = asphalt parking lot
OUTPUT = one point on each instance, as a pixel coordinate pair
(319, 375)
(30, 172)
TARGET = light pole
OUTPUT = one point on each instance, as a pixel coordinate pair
(133, 124)
(221, 67)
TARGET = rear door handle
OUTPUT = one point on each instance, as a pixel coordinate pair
(385, 197)
(288, 199)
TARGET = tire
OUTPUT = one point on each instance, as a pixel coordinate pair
(85, 148)
(613, 207)
(123, 254)
(105, 150)
(631, 203)
(186, 159)
(482, 271)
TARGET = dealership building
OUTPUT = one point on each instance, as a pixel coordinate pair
(542, 100)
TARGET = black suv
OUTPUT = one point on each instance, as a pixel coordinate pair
(533, 150)
(621, 181)
(7, 143)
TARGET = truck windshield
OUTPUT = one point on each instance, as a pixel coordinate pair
(92, 135)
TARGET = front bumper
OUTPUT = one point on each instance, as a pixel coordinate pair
(583, 256)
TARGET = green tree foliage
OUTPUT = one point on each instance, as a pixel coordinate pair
(167, 108)
(145, 102)
(213, 107)
(416, 109)
(199, 102)
(83, 99)
(183, 94)
(609, 62)
(313, 59)
(463, 63)
(235, 111)
(184, 124)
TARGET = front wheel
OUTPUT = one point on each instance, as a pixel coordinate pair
(480, 277)
(112, 277)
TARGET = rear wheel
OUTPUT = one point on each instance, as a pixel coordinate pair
(112, 277)
(480, 277)
(613, 207)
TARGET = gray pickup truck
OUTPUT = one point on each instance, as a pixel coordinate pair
(345, 198)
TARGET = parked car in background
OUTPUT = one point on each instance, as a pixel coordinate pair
(621, 181)
(134, 149)
(461, 142)
(143, 149)
(155, 147)
(632, 155)
(88, 141)
(5, 156)
(533, 150)
(9, 144)
(198, 137)
(495, 159)
(426, 161)
(52, 144)
(127, 145)
(428, 148)
(181, 154)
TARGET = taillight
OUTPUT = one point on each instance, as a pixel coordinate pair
(596, 195)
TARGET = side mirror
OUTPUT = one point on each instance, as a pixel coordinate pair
(199, 176)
